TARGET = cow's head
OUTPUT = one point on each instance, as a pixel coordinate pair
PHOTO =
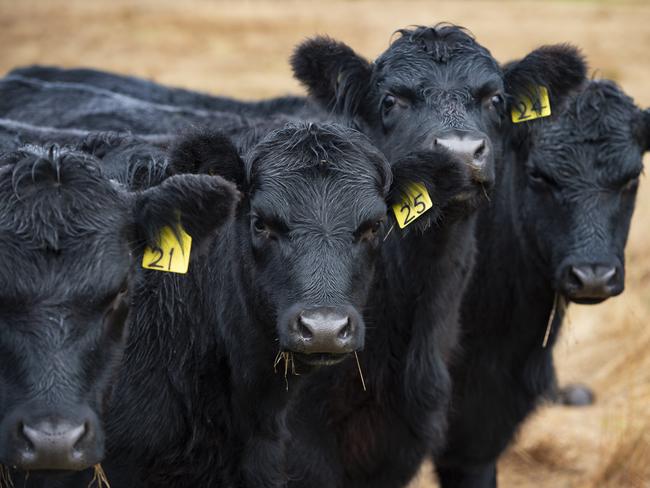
(580, 180)
(69, 255)
(313, 219)
(433, 86)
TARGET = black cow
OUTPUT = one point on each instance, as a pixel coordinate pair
(433, 88)
(149, 91)
(76, 106)
(554, 233)
(68, 259)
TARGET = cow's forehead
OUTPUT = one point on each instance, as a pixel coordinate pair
(62, 239)
(594, 134)
(84, 267)
(418, 70)
(302, 197)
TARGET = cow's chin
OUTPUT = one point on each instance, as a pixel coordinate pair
(317, 360)
(586, 301)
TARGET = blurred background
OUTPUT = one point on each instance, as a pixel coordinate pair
(240, 48)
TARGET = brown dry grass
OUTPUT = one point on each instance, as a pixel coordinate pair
(240, 48)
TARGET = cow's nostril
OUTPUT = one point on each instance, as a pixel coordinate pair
(480, 151)
(20, 431)
(577, 276)
(435, 142)
(346, 331)
(304, 330)
(84, 434)
(609, 275)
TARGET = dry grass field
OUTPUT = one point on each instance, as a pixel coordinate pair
(240, 48)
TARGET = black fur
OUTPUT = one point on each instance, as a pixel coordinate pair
(135, 161)
(344, 436)
(334, 74)
(442, 83)
(71, 105)
(561, 68)
(564, 197)
(70, 257)
(213, 152)
(200, 360)
(149, 91)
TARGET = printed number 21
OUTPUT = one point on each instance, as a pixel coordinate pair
(159, 256)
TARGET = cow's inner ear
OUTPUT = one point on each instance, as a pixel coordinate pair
(199, 203)
(334, 75)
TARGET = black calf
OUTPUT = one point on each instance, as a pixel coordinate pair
(67, 262)
(433, 89)
(554, 233)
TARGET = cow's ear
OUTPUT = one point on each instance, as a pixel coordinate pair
(446, 179)
(334, 75)
(561, 68)
(200, 203)
(209, 152)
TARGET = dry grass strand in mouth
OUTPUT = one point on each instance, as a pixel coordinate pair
(289, 365)
(5, 477)
(388, 233)
(363, 382)
(487, 196)
(99, 477)
(558, 306)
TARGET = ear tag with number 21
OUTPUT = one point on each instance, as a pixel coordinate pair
(525, 109)
(415, 203)
(170, 254)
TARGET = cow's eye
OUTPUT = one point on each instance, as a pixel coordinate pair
(388, 102)
(496, 101)
(124, 288)
(260, 226)
(368, 230)
(540, 179)
(262, 229)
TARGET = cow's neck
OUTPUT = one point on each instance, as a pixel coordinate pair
(422, 280)
(511, 295)
(188, 359)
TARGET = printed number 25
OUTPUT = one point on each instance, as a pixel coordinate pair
(419, 206)
(159, 256)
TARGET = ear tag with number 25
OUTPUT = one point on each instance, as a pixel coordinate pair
(170, 254)
(525, 109)
(415, 203)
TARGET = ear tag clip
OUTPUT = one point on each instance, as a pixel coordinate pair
(416, 202)
(525, 109)
(171, 254)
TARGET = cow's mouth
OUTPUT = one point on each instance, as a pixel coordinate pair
(319, 359)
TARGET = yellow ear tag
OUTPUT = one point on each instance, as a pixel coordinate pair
(526, 109)
(415, 203)
(169, 254)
